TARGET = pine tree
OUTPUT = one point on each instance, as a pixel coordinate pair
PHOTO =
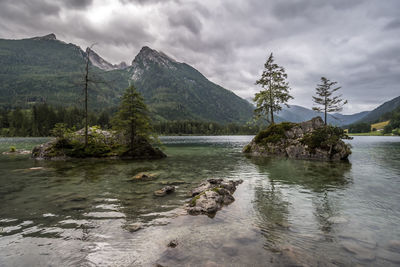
(275, 90)
(324, 98)
(132, 118)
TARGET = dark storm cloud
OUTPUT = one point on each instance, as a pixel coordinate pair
(28, 7)
(186, 19)
(146, 2)
(77, 3)
(353, 42)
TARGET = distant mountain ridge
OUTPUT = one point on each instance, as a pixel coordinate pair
(386, 107)
(45, 69)
(295, 113)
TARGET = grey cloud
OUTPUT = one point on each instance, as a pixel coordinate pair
(77, 3)
(393, 24)
(186, 19)
(27, 7)
(146, 2)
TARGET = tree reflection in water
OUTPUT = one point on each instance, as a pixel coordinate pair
(311, 182)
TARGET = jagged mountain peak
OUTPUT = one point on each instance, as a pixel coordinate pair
(101, 63)
(50, 36)
(147, 55)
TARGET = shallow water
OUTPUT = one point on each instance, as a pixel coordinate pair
(286, 212)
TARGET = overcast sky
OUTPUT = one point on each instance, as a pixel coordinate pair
(354, 42)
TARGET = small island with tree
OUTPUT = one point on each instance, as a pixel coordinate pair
(130, 138)
(313, 139)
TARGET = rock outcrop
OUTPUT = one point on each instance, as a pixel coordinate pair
(210, 196)
(307, 140)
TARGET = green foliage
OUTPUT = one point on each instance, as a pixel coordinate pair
(60, 130)
(12, 149)
(93, 149)
(394, 123)
(275, 90)
(360, 128)
(40, 119)
(72, 144)
(324, 98)
(274, 133)
(132, 119)
(324, 138)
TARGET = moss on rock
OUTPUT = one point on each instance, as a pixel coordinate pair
(274, 133)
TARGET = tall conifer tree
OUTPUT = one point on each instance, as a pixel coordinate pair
(325, 99)
(132, 118)
(275, 90)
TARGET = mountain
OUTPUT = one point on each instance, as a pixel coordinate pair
(376, 114)
(45, 69)
(176, 91)
(295, 113)
(101, 63)
(349, 119)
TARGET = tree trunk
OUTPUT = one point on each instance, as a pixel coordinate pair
(271, 102)
(272, 116)
(86, 98)
(325, 111)
(132, 136)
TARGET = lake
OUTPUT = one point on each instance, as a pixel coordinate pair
(286, 212)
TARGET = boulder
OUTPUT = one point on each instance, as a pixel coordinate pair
(211, 195)
(307, 140)
(164, 191)
(134, 227)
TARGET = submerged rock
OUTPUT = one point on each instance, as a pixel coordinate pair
(134, 227)
(394, 245)
(173, 243)
(144, 176)
(164, 191)
(360, 252)
(307, 140)
(210, 196)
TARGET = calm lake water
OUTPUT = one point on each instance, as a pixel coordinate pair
(286, 212)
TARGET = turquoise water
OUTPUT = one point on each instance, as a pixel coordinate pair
(286, 212)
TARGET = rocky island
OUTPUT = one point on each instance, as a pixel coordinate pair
(306, 140)
(101, 144)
